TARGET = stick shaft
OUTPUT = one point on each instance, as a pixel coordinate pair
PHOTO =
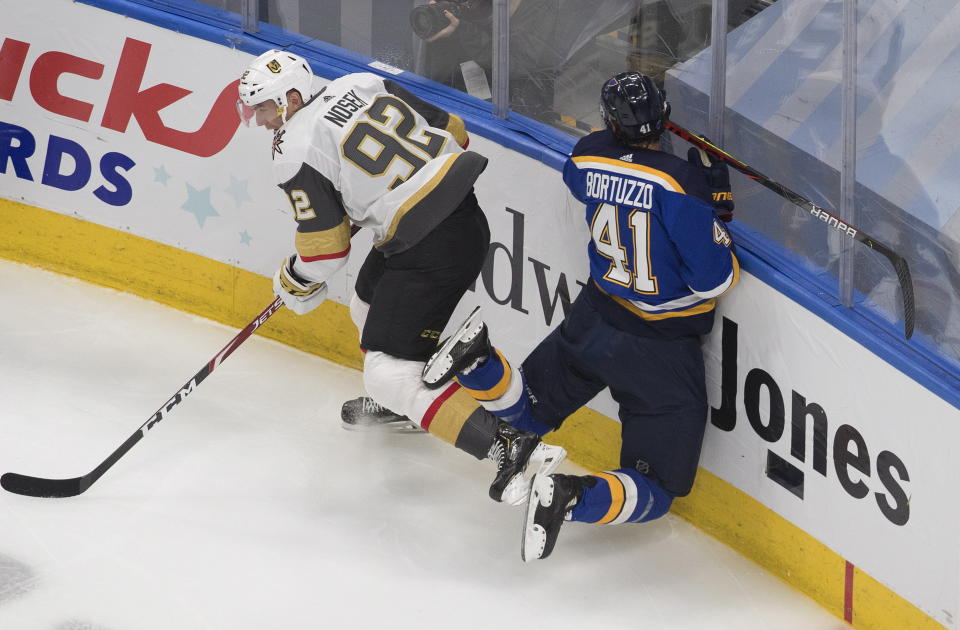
(831, 220)
(41, 487)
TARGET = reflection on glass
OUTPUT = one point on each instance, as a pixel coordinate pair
(230, 5)
(461, 53)
(379, 29)
(592, 41)
(783, 88)
(458, 47)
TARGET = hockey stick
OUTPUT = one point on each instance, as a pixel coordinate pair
(41, 487)
(899, 262)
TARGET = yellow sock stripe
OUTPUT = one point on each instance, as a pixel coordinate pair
(497, 390)
(451, 415)
(616, 497)
(629, 499)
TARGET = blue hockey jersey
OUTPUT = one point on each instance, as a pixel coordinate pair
(656, 248)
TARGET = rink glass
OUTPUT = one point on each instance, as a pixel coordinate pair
(847, 102)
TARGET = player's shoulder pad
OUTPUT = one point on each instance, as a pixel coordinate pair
(597, 143)
(364, 80)
(362, 84)
(678, 168)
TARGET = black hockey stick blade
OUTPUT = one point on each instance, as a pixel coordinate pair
(38, 487)
(60, 488)
(899, 262)
(906, 285)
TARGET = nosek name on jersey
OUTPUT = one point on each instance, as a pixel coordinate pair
(344, 109)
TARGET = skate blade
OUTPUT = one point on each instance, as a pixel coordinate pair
(405, 427)
(433, 372)
(548, 456)
(517, 491)
(534, 537)
(544, 460)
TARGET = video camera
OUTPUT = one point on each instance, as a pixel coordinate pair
(428, 20)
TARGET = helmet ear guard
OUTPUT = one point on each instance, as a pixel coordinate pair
(633, 107)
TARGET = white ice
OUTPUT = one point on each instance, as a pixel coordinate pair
(249, 508)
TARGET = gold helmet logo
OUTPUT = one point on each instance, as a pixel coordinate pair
(274, 66)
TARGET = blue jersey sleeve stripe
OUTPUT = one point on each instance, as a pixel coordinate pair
(625, 168)
(729, 282)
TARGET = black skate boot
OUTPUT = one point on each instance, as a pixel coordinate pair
(514, 451)
(363, 414)
(462, 351)
(551, 498)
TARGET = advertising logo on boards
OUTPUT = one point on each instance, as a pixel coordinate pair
(68, 164)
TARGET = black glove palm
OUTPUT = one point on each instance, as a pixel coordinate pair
(718, 179)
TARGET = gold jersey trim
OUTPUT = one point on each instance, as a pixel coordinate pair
(457, 129)
(331, 243)
(417, 197)
(703, 307)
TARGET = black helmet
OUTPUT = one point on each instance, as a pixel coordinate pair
(633, 107)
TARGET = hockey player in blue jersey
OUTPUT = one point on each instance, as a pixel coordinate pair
(659, 258)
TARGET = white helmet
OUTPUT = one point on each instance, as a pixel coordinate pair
(271, 75)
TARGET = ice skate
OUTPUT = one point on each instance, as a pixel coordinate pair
(551, 499)
(364, 414)
(460, 352)
(515, 452)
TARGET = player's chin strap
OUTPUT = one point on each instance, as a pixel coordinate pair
(844, 227)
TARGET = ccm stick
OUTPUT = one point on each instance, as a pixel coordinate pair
(899, 262)
(41, 487)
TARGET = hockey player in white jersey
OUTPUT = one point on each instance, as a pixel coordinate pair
(362, 151)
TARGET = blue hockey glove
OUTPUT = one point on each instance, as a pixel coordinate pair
(718, 179)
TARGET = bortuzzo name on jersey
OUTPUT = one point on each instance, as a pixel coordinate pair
(622, 191)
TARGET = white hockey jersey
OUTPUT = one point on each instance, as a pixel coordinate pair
(365, 151)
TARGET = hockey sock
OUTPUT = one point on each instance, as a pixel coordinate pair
(621, 496)
(489, 379)
(525, 421)
(502, 391)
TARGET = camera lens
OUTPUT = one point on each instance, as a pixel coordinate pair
(428, 20)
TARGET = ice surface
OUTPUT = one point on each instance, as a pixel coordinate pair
(249, 508)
